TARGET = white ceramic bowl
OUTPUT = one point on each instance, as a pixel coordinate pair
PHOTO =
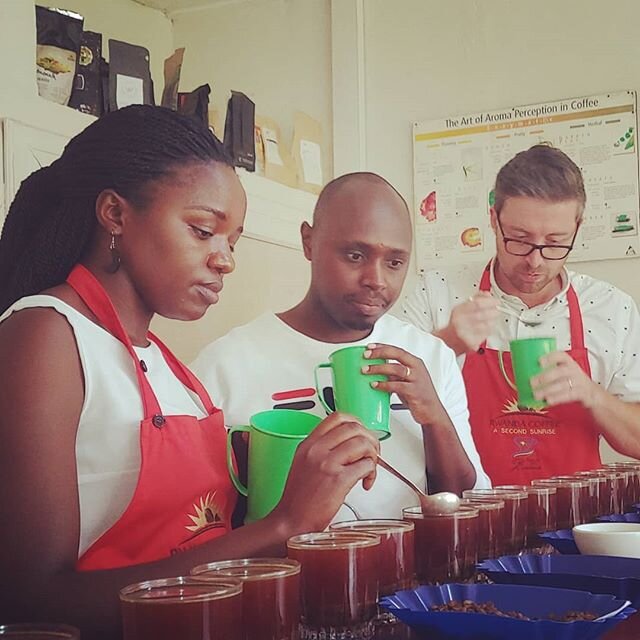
(608, 539)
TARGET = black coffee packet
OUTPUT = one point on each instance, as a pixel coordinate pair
(239, 134)
(129, 75)
(172, 69)
(58, 36)
(104, 84)
(87, 89)
(196, 103)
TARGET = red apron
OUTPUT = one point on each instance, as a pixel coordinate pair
(184, 496)
(517, 446)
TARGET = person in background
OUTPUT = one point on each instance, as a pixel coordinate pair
(592, 383)
(113, 454)
(359, 248)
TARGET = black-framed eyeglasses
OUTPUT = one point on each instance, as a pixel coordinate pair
(547, 251)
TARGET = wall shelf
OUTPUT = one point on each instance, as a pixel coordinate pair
(275, 211)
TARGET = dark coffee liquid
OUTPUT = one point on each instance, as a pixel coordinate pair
(194, 620)
(270, 594)
(514, 517)
(271, 608)
(597, 490)
(542, 514)
(490, 525)
(446, 548)
(573, 500)
(339, 585)
(629, 485)
(396, 560)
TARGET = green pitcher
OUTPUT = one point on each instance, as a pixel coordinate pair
(274, 437)
(525, 362)
(352, 389)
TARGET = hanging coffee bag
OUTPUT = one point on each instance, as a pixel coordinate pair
(278, 164)
(129, 75)
(239, 135)
(196, 104)
(58, 36)
(87, 89)
(172, 68)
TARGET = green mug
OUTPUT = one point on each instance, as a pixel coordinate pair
(525, 361)
(274, 437)
(352, 390)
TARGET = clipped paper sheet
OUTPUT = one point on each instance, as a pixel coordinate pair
(311, 156)
(271, 150)
(307, 152)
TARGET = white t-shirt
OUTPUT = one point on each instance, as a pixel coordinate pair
(610, 318)
(108, 437)
(266, 365)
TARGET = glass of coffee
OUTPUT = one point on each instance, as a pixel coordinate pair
(270, 594)
(490, 525)
(38, 631)
(610, 487)
(599, 490)
(339, 583)
(396, 564)
(631, 493)
(446, 544)
(573, 499)
(515, 515)
(185, 607)
(541, 513)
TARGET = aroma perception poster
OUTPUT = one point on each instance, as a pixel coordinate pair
(456, 160)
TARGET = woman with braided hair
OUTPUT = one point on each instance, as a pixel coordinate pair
(112, 453)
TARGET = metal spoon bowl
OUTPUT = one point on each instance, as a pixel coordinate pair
(436, 503)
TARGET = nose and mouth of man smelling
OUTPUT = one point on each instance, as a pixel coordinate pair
(531, 270)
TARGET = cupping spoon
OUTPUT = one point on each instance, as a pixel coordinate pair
(443, 502)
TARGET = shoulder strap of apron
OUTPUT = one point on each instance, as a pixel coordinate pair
(92, 293)
(184, 374)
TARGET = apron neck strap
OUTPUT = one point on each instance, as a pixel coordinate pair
(184, 374)
(575, 315)
(93, 294)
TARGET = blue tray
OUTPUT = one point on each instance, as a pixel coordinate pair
(619, 577)
(561, 540)
(620, 517)
(412, 607)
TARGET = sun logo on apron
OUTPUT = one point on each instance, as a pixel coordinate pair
(207, 514)
(511, 406)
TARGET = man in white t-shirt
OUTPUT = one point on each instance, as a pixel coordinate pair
(592, 384)
(359, 248)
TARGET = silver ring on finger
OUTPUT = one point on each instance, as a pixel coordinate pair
(408, 372)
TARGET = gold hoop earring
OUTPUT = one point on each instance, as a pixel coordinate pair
(115, 255)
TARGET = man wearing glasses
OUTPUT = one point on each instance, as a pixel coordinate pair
(592, 383)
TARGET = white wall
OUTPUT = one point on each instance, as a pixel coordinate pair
(428, 59)
(268, 276)
(278, 52)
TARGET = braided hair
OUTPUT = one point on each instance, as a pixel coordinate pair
(52, 219)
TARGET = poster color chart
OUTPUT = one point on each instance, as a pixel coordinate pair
(456, 160)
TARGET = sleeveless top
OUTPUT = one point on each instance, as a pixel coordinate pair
(108, 437)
